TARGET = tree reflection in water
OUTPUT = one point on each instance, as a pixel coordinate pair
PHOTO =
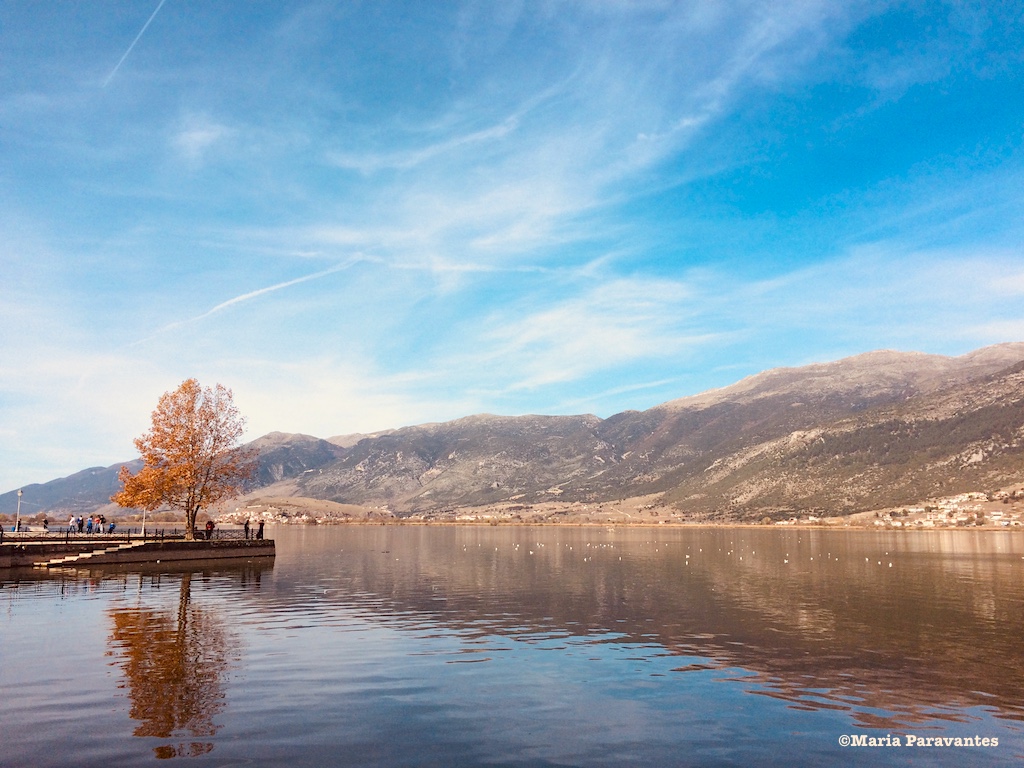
(174, 664)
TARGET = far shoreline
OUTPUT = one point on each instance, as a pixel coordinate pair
(640, 525)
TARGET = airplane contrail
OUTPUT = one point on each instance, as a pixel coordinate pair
(141, 31)
(269, 289)
(254, 294)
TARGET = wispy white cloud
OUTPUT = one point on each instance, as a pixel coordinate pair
(408, 159)
(872, 297)
(602, 328)
(327, 395)
(1009, 284)
(881, 295)
(197, 136)
(995, 331)
(538, 175)
(574, 404)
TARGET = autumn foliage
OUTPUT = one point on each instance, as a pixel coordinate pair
(191, 459)
(175, 664)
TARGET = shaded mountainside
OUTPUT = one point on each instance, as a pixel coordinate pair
(80, 493)
(281, 457)
(968, 437)
(472, 461)
(284, 456)
(871, 431)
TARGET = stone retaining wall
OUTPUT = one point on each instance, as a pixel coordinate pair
(30, 554)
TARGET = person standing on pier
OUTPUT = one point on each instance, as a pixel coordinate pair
(259, 531)
(246, 528)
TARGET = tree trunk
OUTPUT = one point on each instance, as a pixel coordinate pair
(190, 523)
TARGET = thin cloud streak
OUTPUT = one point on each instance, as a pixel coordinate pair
(252, 295)
(136, 40)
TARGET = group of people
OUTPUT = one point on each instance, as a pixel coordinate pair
(97, 524)
(259, 531)
(91, 524)
(210, 526)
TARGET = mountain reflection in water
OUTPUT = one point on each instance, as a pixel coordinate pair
(899, 629)
(428, 645)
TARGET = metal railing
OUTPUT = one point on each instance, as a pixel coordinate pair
(71, 533)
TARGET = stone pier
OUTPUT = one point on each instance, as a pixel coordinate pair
(46, 554)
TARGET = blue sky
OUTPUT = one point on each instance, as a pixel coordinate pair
(368, 215)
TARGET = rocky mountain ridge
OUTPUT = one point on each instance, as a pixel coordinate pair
(875, 430)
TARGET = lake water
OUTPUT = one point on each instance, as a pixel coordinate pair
(464, 646)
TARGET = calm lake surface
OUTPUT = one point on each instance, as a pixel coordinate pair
(446, 646)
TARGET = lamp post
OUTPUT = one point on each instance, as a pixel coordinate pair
(17, 516)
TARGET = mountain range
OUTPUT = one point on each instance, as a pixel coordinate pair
(876, 430)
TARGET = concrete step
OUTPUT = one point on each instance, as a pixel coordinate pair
(69, 559)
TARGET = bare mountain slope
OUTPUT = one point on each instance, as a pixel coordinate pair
(284, 456)
(474, 460)
(881, 374)
(869, 431)
(671, 448)
(967, 437)
(715, 455)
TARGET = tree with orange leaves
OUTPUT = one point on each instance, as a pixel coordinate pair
(190, 455)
